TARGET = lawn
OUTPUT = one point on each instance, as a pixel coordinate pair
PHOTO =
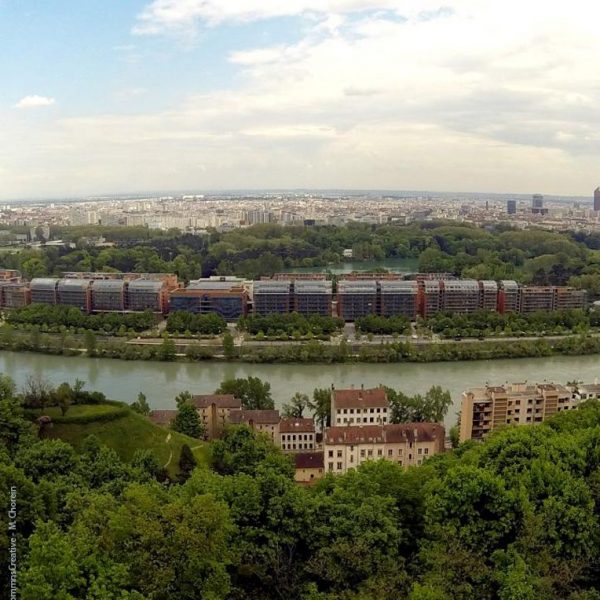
(78, 410)
(127, 434)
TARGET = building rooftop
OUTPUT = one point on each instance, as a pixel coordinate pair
(219, 400)
(310, 286)
(347, 286)
(360, 398)
(259, 417)
(382, 434)
(293, 425)
(74, 284)
(398, 286)
(43, 283)
(309, 460)
(272, 287)
(145, 285)
(108, 285)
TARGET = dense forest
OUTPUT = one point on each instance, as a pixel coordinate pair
(516, 518)
(496, 252)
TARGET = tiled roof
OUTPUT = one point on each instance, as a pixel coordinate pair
(162, 417)
(309, 460)
(380, 434)
(259, 417)
(296, 426)
(219, 400)
(359, 398)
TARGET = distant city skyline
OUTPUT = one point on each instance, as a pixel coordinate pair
(103, 98)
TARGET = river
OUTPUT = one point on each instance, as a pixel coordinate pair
(161, 382)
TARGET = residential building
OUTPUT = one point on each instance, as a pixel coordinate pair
(359, 406)
(431, 297)
(488, 295)
(536, 297)
(214, 411)
(587, 391)
(76, 293)
(263, 421)
(43, 290)
(312, 297)
(398, 297)
(272, 297)
(15, 295)
(511, 207)
(597, 199)
(488, 408)
(147, 294)
(356, 299)
(108, 295)
(460, 296)
(309, 467)
(566, 298)
(509, 297)
(162, 417)
(297, 435)
(408, 444)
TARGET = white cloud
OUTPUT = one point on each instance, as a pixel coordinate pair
(34, 101)
(480, 96)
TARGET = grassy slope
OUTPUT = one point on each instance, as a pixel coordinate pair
(128, 434)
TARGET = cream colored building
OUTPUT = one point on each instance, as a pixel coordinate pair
(214, 411)
(297, 435)
(309, 467)
(408, 444)
(359, 407)
(488, 408)
(265, 421)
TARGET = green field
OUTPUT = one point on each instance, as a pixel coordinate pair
(78, 410)
(127, 434)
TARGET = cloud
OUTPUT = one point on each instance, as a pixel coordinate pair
(34, 101)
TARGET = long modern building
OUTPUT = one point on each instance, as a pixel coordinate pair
(273, 296)
(399, 298)
(226, 296)
(147, 294)
(485, 409)
(312, 297)
(109, 295)
(76, 293)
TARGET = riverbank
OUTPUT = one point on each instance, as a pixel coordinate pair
(311, 352)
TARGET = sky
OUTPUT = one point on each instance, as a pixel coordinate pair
(119, 96)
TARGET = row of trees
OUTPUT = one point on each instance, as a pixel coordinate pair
(54, 317)
(383, 325)
(514, 517)
(290, 325)
(186, 322)
(490, 323)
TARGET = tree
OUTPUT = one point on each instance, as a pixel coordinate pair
(141, 405)
(90, 342)
(296, 407)
(64, 397)
(182, 398)
(228, 346)
(167, 351)
(188, 422)
(254, 393)
(321, 406)
(187, 463)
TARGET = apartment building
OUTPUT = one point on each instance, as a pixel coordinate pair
(567, 298)
(263, 421)
(487, 408)
(76, 293)
(488, 295)
(312, 297)
(297, 435)
(398, 297)
(108, 295)
(215, 411)
(509, 296)
(536, 297)
(272, 297)
(43, 290)
(14, 295)
(460, 296)
(147, 294)
(356, 299)
(408, 444)
(224, 296)
(431, 297)
(359, 407)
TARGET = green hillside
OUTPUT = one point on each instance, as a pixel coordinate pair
(126, 434)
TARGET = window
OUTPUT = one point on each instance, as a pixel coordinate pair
(371, 420)
(420, 451)
(339, 454)
(362, 453)
(370, 453)
(330, 454)
(426, 451)
(339, 466)
(351, 458)
(380, 452)
(390, 452)
(330, 466)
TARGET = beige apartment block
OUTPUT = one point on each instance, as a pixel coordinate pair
(264, 421)
(359, 407)
(297, 435)
(214, 411)
(488, 408)
(407, 444)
